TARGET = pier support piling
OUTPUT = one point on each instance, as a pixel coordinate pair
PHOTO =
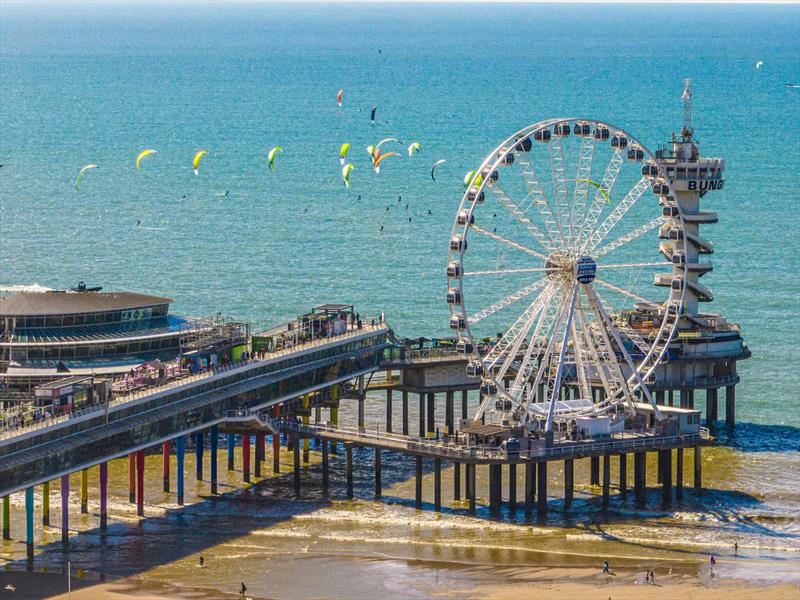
(569, 482)
(165, 452)
(660, 467)
(698, 470)
(84, 491)
(457, 481)
(349, 452)
(623, 475)
(231, 451)
(606, 478)
(471, 487)
(46, 503)
(325, 467)
(260, 453)
(103, 495)
(132, 477)
(6, 518)
(464, 403)
(495, 487)
(431, 428)
(422, 415)
(214, 435)
(711, 406)
(730, 405)
(679, 474)
(640, 477)
(437, 484)
(542, 491)
(140, 483)
(512, 488)
(246, 457)
(378, 468)
(530, 487)
(405, 412)
(666, 478)
(64, 510)
(179, 467)
(276, 444)
(389, 410)
(29, 523)
(296, 473)
(594, 470)
(198, 451)
(418, 482)
(449, 413)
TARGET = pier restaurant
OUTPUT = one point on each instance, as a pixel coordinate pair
(52, 335)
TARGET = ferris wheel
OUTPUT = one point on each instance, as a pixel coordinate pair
(555, 279)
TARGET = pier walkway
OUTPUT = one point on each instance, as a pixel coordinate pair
(134, 421)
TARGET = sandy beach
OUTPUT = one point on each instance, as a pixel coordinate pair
(540, 583)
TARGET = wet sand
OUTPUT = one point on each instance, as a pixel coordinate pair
(559, 583)
(541, 583)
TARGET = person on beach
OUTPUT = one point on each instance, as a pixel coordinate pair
(736, 548)
(202, 561)
(243, 589)
(712, 562)
(605, 567)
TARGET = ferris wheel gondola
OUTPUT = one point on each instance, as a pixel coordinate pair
(570, 259)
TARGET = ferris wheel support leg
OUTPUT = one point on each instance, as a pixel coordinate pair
(562, 355)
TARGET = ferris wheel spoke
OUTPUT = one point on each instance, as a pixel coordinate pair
(560, 193)
(556, 383)
(628, 331)
(506, 344)
(583, 176)
(591, 344)
(618, 385)
(507, 301)
(633, 265)
(540, 384)
(507, 242)
(509, 271)
(508, 347)
(538, 341)
(602, 196)
(594, 237)
(622, 291)
(539, 199)
(636, 377)
(632, 235)
(521, 217)
(578, 351)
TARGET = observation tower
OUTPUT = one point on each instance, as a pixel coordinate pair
(707, 346)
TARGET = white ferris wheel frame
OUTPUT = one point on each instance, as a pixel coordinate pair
(590, 241)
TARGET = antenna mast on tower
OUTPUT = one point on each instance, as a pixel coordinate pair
(687, 110)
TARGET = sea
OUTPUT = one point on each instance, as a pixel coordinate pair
(96, 83)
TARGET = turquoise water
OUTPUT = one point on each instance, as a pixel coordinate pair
(93, 84)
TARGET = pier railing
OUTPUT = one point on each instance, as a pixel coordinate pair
(21, 423)
(455, 448)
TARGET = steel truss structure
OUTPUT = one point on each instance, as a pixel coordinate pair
(577, 193)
